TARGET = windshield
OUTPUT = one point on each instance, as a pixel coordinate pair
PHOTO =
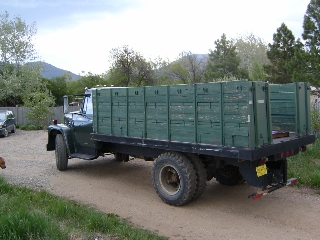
(87, 104)
(2, 116)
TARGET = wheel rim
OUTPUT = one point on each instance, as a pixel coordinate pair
(5, 133)
(169, 180)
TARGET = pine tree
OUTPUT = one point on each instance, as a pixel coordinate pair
(280, 54)
(298, 65)
(311, 35)
(223, 61)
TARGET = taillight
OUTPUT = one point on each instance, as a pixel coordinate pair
(287, 153)
(55, 122)
(303, 148)
(257, 196)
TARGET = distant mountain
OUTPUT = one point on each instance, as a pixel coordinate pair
(49, 71)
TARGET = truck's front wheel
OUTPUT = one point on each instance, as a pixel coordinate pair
(61, 153)
(174, 178)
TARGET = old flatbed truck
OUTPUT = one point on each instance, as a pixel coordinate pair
(192, 132)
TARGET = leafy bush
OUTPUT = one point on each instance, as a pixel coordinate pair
(39, 103)
(306, 165)
(315, 119)
(29, 127)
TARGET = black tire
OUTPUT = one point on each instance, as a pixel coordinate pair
(5, 134)
(61, 153)
(229, 175)
(174, 178)
(121, 157)
(201, 174)
(13, 129)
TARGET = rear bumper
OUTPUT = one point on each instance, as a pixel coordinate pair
(272, 188)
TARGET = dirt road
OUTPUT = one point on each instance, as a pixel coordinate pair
(126, 189)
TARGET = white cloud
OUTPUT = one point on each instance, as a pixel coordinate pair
(163, 28)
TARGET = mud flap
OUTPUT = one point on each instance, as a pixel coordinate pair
(249, 173)
(267, 177)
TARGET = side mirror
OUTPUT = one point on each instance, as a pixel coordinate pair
(65, 104)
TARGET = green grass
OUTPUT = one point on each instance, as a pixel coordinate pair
(29, 214)
(306, 165)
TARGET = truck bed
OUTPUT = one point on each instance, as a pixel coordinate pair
(279, 149)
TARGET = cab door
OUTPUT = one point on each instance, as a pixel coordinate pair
(83, 124)
(82, 127)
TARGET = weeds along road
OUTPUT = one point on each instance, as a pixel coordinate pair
(126, 189)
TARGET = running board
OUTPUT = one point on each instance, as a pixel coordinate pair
(83, 156)
(272, 188)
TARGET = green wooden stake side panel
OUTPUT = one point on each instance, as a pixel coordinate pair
(220, 113)
(136, 109)
(307, 106)
(209, 114)
(283, 107)
(290, 107)
(156, 112)
(235, 97)
(181, 113)
(261, 113)
(119, 111)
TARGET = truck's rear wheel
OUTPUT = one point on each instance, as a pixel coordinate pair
(229, 175)
(201, 174)
(61, 153)
(174, 178)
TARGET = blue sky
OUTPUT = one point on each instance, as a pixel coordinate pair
(78, 35)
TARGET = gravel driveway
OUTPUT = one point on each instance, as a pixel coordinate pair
(126, 189)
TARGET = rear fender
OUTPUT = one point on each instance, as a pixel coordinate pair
(67, 134)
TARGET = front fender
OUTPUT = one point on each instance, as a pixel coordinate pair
(68, 137)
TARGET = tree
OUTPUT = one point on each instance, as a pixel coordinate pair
(252, 51)
(194, 66)
(298, 66)
(58, 87)
(39, 102)
(129, 68)
(280, 54)
(87, 81)
(178, 73)
(161, 71)
(17, 76)
(311, 35)
(257, 72)
(223, 61)
(16, 40)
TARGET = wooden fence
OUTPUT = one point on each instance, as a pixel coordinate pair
(20, 113)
